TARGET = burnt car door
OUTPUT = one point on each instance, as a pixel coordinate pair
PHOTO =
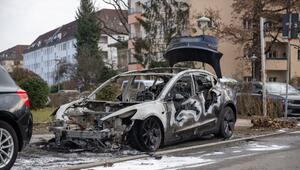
(184, 105)
(208, 96)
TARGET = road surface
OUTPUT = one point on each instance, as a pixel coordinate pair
(271, 153)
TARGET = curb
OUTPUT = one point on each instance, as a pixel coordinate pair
(128, 158)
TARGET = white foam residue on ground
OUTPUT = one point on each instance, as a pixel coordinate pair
(295, 132)
(214, 153)
(157, 164)
(238, 151)
(282, 130)
(260, 147)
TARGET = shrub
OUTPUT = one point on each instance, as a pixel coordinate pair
(35, 86)
(109, 92)
(251, 105)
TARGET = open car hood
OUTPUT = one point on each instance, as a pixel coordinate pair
(201, 48)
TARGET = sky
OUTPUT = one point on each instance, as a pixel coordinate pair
(22, 21)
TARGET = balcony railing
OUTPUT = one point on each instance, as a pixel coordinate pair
(277, 58)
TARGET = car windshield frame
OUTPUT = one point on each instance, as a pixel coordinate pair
(132, 78)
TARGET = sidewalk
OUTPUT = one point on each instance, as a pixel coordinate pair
(243, 123)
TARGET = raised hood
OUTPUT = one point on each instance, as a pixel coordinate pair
(201, 48)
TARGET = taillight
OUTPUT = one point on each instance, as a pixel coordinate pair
(23, 96)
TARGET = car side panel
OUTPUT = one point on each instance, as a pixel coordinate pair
(13, 109)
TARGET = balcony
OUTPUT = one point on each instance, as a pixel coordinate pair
(278, 64)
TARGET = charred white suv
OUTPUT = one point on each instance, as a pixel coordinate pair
(179, 104)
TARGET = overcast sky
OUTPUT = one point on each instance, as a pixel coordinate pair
(22, 21)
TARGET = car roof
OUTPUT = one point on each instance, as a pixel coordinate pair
(167, 71)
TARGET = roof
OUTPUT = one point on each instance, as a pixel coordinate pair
(109, 19)
(13, 53)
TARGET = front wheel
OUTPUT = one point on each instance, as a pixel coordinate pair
(8, 146)
(146, 135)
(227, 123)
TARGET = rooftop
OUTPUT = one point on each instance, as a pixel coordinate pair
(14, 53)
(111, 23)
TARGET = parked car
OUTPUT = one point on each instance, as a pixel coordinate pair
(277, 92)
(139, 84)
(180, 104)
(15, 120)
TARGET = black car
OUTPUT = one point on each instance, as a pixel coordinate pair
(15, 120)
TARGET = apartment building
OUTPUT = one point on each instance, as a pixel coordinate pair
(276, 63)
(49, 50)
(276, 59)
(136, 31)
(12, 57)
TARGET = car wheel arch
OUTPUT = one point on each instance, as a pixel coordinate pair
(163, 129)
(7, 117)
(233, 107)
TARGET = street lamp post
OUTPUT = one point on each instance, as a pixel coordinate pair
(253, 58)
(203, 23)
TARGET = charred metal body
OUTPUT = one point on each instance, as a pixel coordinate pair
(184, 105)
(150, 108)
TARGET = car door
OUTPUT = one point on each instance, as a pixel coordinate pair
(208, 96)
(185, 106)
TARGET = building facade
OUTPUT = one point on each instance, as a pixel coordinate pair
(136, 31)
(276, 59)
(12, 57)
(231, 63)
(57, 46)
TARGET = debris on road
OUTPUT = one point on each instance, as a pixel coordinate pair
(277, 123)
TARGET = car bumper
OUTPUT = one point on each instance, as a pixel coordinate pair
(25, 123)
(293, 110)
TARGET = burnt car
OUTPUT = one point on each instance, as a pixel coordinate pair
(179, 104)
(15, 120)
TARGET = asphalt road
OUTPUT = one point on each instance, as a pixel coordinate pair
(280, 152)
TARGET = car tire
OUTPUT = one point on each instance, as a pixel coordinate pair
(146, 135)
(227, 123)
(8, 149)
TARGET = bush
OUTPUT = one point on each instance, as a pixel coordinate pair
(53, 89)
(109, 92)
(251, 105)
(35, 86)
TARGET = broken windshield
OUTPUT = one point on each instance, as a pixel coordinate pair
(132, 88)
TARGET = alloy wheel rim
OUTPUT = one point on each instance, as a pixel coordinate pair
(229, 123)
(6, 147)
(151, 134)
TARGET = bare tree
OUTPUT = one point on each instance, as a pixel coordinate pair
(122, 8)
(162, 20)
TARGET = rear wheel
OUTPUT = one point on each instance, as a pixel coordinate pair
(8, 146)
(227, 123)
(146, 135)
